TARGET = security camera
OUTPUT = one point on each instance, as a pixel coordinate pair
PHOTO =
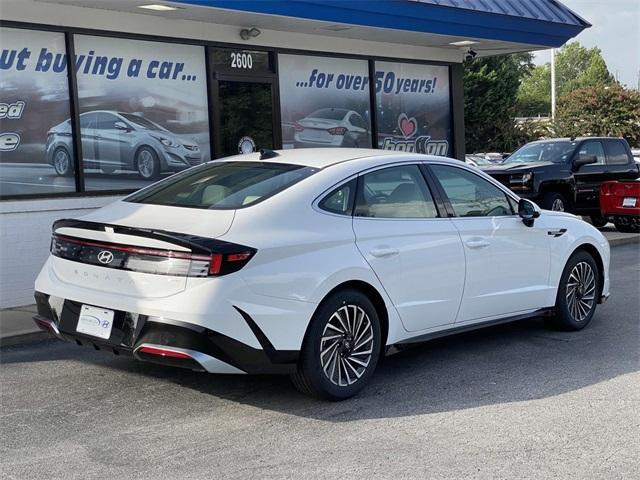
(470, 56)
(247, 33)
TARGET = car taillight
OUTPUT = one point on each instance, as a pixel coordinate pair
(297, 127)
(337, 130)
(230, 259)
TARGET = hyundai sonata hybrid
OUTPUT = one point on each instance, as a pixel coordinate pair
(314, 263)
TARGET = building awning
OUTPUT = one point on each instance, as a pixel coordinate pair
(504, 23)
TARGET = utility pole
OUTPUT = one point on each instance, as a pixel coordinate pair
(553, 83)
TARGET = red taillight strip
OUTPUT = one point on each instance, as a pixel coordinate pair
(131, 249)
(163, 352)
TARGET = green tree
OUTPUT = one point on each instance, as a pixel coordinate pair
(534, 94)
(576, 67)
(606, 110)
(490, 96)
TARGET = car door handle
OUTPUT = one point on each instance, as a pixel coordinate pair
(384, 252)
(477, 243)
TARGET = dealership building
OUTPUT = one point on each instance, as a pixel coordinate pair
(102, 97)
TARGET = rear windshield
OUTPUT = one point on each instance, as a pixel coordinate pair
(223, 185)
(329, 113)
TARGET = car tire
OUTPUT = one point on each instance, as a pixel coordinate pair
(624, 228)
(62, 162)
(577, 293)
(147, 163)
(554, 201)
(345, 333)
(598, 221)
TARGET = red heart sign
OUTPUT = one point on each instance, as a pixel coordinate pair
(407, 126)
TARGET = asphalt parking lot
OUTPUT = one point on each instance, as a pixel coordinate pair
(515, 401)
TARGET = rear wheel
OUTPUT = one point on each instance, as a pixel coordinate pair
(554, 201)
(628, 228)
(62, 162)
(577, 293)
(341, 349)
(598, 221)
(147, 163)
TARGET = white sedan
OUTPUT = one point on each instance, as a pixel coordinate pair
(314, 263)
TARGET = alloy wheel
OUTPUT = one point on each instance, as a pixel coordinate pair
(346, 345)
(558, 205)
(146, 164)
(61, 162)
(581, 291)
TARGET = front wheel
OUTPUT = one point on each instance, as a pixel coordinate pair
(341, 349)
(62, 162)
(554, 201)
(147, 163)
(577, 293)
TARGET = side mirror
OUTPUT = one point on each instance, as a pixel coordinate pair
(528, 211)
(584, 160)
(121, 126)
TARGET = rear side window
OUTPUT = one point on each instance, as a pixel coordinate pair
(340, 201)
(223, 185)
(617, 153)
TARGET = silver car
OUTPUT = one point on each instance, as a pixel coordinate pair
(332, 127)
(121, 141)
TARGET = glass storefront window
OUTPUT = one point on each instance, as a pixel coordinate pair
(36, 148)
(413, 109)
(143, 110)
(324, 102)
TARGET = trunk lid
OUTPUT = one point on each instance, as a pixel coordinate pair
(179, 240)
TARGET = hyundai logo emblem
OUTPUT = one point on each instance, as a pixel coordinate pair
(105, 257)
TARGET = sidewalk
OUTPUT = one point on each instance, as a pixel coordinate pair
(16, 324)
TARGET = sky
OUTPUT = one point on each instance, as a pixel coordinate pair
(615, 30)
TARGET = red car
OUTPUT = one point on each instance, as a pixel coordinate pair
(620, 204)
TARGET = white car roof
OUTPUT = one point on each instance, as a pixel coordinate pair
(325, 157)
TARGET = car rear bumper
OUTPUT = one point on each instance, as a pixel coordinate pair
(166, 341)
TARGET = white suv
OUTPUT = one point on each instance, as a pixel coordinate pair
(313, 263)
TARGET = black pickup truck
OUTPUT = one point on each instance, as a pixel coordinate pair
(565, 173)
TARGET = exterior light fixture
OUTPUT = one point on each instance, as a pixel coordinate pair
(158, 7)
(247, 33)
(463, 43)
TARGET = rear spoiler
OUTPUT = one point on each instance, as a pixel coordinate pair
(197, 245)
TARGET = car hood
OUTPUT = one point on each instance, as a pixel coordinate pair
(194, 221)
(516, 167)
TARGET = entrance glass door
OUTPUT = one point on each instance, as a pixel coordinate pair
(246, 116)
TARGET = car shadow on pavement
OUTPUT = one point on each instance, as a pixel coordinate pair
(507, 363)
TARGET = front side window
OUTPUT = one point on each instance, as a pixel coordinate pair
(395, 192)
(592, 149)
(471, 195)
(223, 185)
